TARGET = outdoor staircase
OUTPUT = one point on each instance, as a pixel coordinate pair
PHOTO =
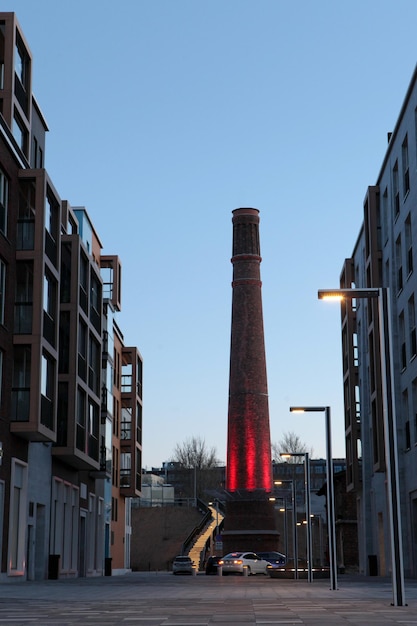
(197, 549)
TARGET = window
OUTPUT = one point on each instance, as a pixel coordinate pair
(125, 468)
(385, 216)
(398, 257)
(396, 190)
(95, 302)
(403, 348)
(139, 423)
(47, 377)
(406, 420)
(49, 296)
(26, 217)
(126, 421)
(83, 282)
(115, 467)
(49, 307)
(20, 133)
(82, 350)
(47, 390)
(1, 377)
(93, 430)
(81, 420)
(17, 525)
(414, 397)
(406, 168)
(21, 383)
(2, 290)
(412, 327)
(355, 349)
(4, 193)
(51, 215)
(409, 245)
(23, 306)
(21, 63)
(94, 365)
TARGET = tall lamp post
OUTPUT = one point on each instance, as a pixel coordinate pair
(308, 510)
(294, 523)
(390, 426)
(331, 522)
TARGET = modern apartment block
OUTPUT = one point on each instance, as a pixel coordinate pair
(383, 256)
(70, 390)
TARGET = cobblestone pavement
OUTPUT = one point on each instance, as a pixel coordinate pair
(161, 599)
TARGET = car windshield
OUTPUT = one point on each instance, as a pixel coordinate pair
(183, 559)
(233, 555)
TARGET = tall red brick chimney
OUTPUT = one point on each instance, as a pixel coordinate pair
(249, 521)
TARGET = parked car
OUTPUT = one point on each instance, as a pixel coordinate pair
(276, 559)
(236, 562)
(212, 563)
(182, 565)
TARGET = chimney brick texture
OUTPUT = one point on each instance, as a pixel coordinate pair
(249, 465)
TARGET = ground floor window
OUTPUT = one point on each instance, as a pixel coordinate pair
(17, 520)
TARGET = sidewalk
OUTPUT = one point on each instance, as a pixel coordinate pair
(161, 599)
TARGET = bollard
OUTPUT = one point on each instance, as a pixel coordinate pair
(219, 570)
(194, 570)
(245, 570)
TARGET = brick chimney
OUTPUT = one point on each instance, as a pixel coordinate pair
(249, 522)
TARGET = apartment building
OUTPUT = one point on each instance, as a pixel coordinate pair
(62, 361)
(383, 256)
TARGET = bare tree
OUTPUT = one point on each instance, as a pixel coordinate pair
(290, 442)
(193, 452)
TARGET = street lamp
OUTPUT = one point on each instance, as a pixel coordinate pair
(331, 522)
(294, 523)
(308, 509)
(390, 425)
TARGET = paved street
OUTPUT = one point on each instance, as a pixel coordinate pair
(161, 599)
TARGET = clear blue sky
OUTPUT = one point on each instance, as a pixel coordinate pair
(164, 116)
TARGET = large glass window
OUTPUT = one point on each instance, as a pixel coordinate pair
(23, 307)
(47, 390)
(21, 383)
(125, 468)
(81, 419)
(26, 217)
(52, 219)
(82, 350)
(126, 421)
(83, 283)
(49, 308)
(93, 429)
(94, 365)
(20, 133)
(139, 423)
(4, 193)
(21, 63)
(95, 302)
(64, 342)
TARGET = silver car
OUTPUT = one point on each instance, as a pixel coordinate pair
(238, 562)
(182, 565)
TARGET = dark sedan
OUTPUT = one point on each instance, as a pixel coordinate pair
(212, 564)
